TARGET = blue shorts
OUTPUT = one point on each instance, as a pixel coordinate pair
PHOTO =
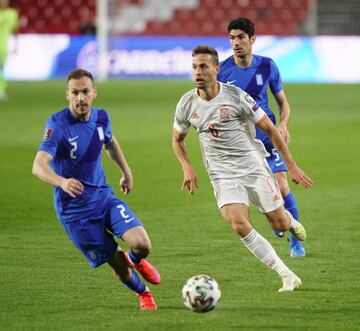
(95, 237)
(275, 162)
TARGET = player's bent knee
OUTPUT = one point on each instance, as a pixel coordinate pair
(241, 227)
(138, 240)
(142, 247)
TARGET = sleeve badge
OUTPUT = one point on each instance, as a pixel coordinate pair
(47, 134)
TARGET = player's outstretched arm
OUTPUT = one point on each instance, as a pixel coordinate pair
(42, 169)
(115, 152)
(296, 174)
(190, 178)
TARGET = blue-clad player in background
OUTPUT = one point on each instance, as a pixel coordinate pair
(255, 74)
(70, 159)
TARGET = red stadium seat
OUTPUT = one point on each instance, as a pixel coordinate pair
(209, 17)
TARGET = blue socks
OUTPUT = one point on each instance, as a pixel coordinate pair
(134, 258)
(135, 284)
(291, 206)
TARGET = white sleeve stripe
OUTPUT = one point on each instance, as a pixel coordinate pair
(177, 127)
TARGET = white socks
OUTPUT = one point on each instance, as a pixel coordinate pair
(293, 221)
(262, 249)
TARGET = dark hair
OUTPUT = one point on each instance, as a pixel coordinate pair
(79, 73)
(204, 49)
(242, 23)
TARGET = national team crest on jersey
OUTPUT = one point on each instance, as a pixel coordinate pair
(224, 113)
(47, 134)
(259, 79)
(101, 133)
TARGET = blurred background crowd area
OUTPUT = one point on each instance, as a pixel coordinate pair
(191, 17)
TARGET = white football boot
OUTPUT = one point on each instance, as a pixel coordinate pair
(297, 230)
(290, 283)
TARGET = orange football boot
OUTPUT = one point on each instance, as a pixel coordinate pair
(146, 269)
(147, 301)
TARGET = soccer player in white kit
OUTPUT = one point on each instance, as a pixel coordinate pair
(224, 117)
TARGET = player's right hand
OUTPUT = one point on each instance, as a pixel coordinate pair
(72, 187)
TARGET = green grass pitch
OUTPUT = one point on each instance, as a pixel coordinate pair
(46, 284)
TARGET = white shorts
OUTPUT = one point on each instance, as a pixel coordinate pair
(261, 189)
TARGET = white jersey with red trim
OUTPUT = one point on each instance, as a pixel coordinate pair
(226, 129)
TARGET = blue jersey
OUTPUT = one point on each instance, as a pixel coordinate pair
(76, 147)
(255, 80)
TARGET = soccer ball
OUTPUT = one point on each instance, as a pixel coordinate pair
(201, 293)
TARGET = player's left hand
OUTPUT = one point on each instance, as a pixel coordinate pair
(126, 184)
(299, 177)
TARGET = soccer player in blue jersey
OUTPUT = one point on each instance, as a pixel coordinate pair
(70, 159)
(255, 74)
